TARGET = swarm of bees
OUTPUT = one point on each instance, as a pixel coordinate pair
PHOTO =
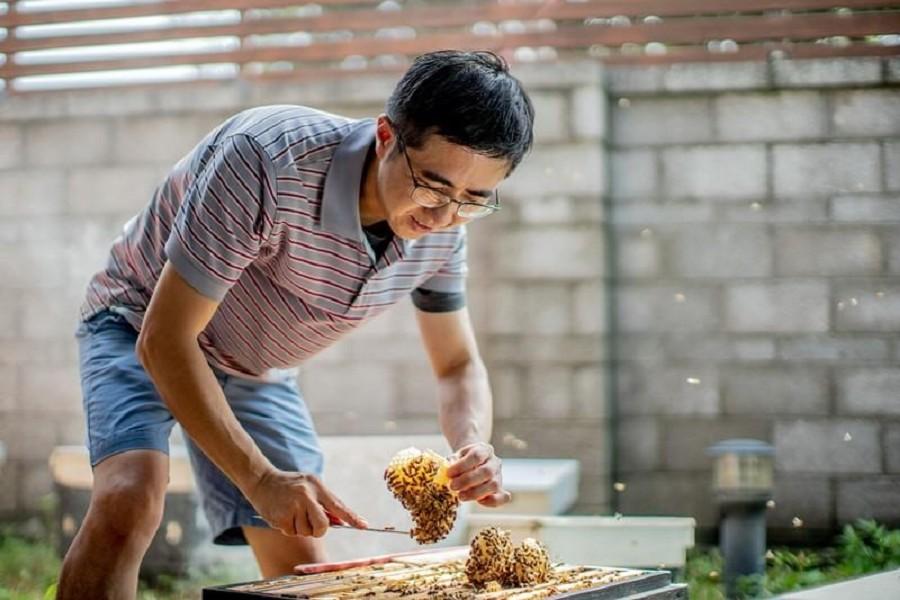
(494, 561)
(419, 481)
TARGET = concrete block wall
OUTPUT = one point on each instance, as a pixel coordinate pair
(756, 226)
(75, 166)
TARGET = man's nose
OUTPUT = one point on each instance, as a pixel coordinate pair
(443, 216)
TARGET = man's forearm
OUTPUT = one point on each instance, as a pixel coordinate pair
(465, 405)
(190, 390)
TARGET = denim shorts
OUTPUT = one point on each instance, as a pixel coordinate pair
(124, 412)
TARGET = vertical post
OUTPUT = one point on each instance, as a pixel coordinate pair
(742, 483)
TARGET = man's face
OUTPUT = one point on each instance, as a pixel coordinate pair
(454, 170)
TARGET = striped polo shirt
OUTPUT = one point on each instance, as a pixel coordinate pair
(263, 216)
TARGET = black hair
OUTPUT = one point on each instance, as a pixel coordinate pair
(468, 98)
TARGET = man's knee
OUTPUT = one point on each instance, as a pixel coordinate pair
(127, 501)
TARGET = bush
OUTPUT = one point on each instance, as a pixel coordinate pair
(864, 547)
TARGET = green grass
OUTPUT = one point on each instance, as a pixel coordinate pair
(29, 567)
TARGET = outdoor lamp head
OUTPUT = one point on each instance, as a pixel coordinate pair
(743, 469)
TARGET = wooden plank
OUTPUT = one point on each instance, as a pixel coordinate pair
(756, 52)
(502, 11)
(692, 31)
(428, 17)
(164, 7)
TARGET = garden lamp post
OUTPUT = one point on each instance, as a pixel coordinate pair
(742, 483)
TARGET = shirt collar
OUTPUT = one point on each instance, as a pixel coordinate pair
(340, 198)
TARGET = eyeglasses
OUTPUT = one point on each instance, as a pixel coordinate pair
(430, 197)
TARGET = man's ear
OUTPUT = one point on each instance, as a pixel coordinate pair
(384, 136)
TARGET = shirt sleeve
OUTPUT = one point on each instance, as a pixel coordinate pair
(225, 217)
(438, 302)
(451, 277)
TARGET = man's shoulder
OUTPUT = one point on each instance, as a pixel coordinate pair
(291, 133)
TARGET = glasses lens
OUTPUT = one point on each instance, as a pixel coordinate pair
(429, 198)
(474, 211)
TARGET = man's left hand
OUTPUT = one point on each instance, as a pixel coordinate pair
(476, 475)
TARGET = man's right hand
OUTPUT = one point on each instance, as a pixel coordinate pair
(299, 504)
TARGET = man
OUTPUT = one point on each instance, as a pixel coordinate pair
(284, 229)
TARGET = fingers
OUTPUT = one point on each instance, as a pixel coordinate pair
(470, 457)
(338, 511)
(497, 499)
(473, 478)
(318, 520)
(480, 491)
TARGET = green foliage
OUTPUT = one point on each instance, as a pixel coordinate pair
(864, 547)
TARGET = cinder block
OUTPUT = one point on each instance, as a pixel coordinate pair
(871, 113)
(832, 446)
(867, 306)
(155, 139)
(634, 80)
(417, 392)
(590, 308)
(780, 212)
(10, 319)
(654, 121)
(575, 254)
(523, 348)
(647, 213)
(654, 308)
(680, 494)
(780, 307)
(588, 113)
(736, 172)
(826, 252)
(508, 390)
(826, 72)
(825, 169)
(589, 392)
(50, 316)
(869, 498)
(893, 70)
(637, 257)
(633, 174)
(864, 209)
(368, 390)
(574, 169)
(111, 190)
(718, 349)
(31, 436)
(550, 111)
(565, 75)
(892, 165)
(9, 487)
(8, 399)
(38, 268)
(530, 308)
(31, 193)
(585, 440)
(36, 483)
(685, 440)
(721, 251)
(804, 497)
(653, 390)
(640, 347)
(775, 390)
(833, 349)
(550, 391)
(52, 389)
(869, 392)
(773, 116)
(11, 146)
(892, 448)
(556, 210)
(638, 443)
(893, 251)
(68, 142)
(713, 76)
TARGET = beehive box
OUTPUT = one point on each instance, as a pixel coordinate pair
(440, 575)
